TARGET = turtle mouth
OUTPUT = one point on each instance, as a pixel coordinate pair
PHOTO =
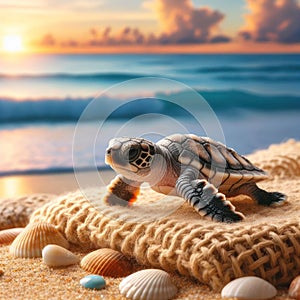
(144, 172)
(108, 158)
(113, 158)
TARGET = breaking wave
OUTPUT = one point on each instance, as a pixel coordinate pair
(70, 109)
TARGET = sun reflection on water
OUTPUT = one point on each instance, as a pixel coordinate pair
(11, 186)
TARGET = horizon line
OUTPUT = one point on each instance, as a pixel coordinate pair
(130, 52)
(221, 48)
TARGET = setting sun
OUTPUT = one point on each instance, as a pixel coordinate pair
(12, 43)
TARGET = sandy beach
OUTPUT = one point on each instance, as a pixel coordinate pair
(32, 279)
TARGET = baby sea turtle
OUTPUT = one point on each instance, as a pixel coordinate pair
(198, 169)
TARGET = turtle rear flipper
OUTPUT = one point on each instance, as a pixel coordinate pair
(261, 196)
(205, 199)
(277, 198)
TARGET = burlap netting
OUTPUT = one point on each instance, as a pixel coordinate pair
(16, 212)
(266, 244)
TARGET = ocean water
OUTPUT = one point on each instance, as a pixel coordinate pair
(58, 112)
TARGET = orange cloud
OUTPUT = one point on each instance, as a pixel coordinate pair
(126, 36)
(48, 40)
(182, 23)
(272, 20)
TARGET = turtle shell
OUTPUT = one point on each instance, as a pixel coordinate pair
(222, 166)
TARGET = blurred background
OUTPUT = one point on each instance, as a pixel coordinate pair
(57, 56)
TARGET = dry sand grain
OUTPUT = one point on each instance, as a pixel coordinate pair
(31, 279)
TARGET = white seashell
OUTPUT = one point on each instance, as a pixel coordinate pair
(8, 235)
(57, 256)
(249, 287)
(31, 241)
(150, 284)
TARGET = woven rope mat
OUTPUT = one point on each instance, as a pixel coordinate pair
(159, 234)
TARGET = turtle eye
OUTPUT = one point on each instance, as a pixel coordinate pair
(133, 154)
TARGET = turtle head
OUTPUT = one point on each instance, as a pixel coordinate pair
(131, 157)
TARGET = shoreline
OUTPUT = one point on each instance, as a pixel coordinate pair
(51, 183)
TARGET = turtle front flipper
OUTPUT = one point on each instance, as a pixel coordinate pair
(205, 199)
(122, 191)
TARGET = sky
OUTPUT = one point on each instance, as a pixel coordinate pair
(97, 26)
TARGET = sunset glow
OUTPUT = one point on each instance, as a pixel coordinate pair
(151, 26)
(12, 43)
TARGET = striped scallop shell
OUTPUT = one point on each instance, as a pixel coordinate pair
(150, 284)
(34, 238)
(8, 235)
(107, 262)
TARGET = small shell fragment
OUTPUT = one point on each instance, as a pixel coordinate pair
(57, 256)
(150, 284)
(7, 236)
(249, 288)
(107, 262)
(93, 282)
(31, 241)
(294, 290)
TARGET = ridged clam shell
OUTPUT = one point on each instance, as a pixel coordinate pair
(107, 262)
(249, 287)
(8, 235)
(34, 238)
(150, 284)
(57, 256)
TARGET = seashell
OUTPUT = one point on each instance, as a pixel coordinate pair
(57, 256)
(294, 290)
(249, 287)
(150, 284)
(93, 282)
(8, 235)
(107, 262)
(34, 238)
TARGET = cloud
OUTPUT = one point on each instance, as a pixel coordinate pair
(272, 20)
(94, 32)
(126, 36)
(183, 23)
(48, 40)
(220, 39)
(70, 43)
